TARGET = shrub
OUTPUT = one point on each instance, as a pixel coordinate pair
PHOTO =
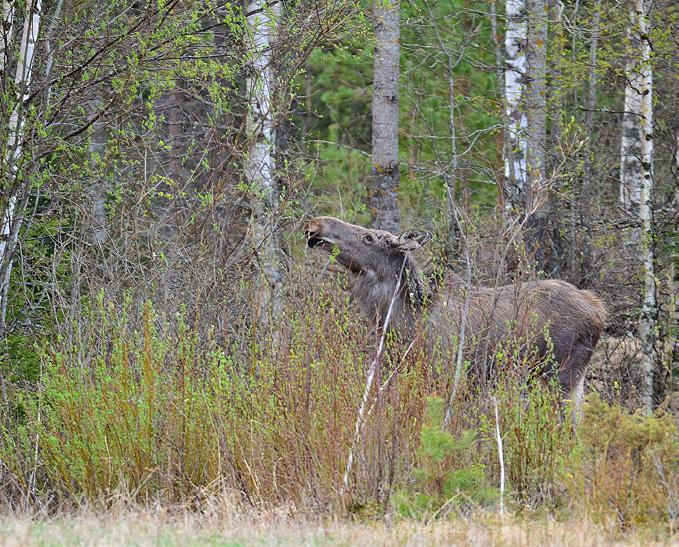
(625, 466)
(139, 407)
(536, 433)
(448, 476)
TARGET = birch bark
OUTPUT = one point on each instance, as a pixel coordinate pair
(384, 180)
(647, 326)
(7, 27)
(517, 122)
(630, 145)
(11, 217)
(260, 165)
(636, 177)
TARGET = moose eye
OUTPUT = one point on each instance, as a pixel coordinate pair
(368, 238)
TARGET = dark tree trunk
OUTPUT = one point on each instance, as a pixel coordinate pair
(538, 202)
(383, 188)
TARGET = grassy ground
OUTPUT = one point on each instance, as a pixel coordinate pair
(191, 529)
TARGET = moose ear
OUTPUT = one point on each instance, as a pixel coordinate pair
(411, 240)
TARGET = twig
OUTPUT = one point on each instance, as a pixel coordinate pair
(368, 384)
(500, 455)
(463, 325)
(385, 384)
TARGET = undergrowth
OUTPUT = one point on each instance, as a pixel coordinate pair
(449, 476)
(150, 409)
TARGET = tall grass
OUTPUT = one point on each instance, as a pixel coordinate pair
(152, 409)
(138, 408)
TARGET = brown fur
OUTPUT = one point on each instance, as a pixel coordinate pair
(573, 318)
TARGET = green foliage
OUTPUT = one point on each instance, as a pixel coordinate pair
(138, 407)
(20, 359)
(625, 467)
(341, 79)
(536, 433)
(448, 475)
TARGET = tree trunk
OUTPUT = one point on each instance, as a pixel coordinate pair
(587, 194)
(517, 122)
(636, 178)
(259, 166)
(384, 180)
(12, 216)
(6, 38)
(97, 232)
(646, 251)
(537, 199)
(630, 147)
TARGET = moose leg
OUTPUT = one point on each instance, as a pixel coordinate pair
(577, 396)
(573, 372)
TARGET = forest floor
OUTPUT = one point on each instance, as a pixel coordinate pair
(192, 529)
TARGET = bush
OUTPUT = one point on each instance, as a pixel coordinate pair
(625, 467)
(448, 475)
(144, 408)
(536, 433)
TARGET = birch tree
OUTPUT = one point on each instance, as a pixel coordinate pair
(7, 27)
(514, 92)
(637, 113)
(636, 175)
(14, 196)
(259, 164)
(384, 180)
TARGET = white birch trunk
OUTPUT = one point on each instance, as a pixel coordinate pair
(630, 146)
(649, 307)
(636, 178)
(517, 122)
(11, 222)
(7, 27)
(260, 166)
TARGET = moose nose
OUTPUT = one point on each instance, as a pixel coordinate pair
(311, 230)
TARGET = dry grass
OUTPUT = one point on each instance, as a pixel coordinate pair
(145, 528)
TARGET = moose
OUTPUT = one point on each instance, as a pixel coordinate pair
(552, 315)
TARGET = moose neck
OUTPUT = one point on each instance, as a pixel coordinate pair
(400, 288)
